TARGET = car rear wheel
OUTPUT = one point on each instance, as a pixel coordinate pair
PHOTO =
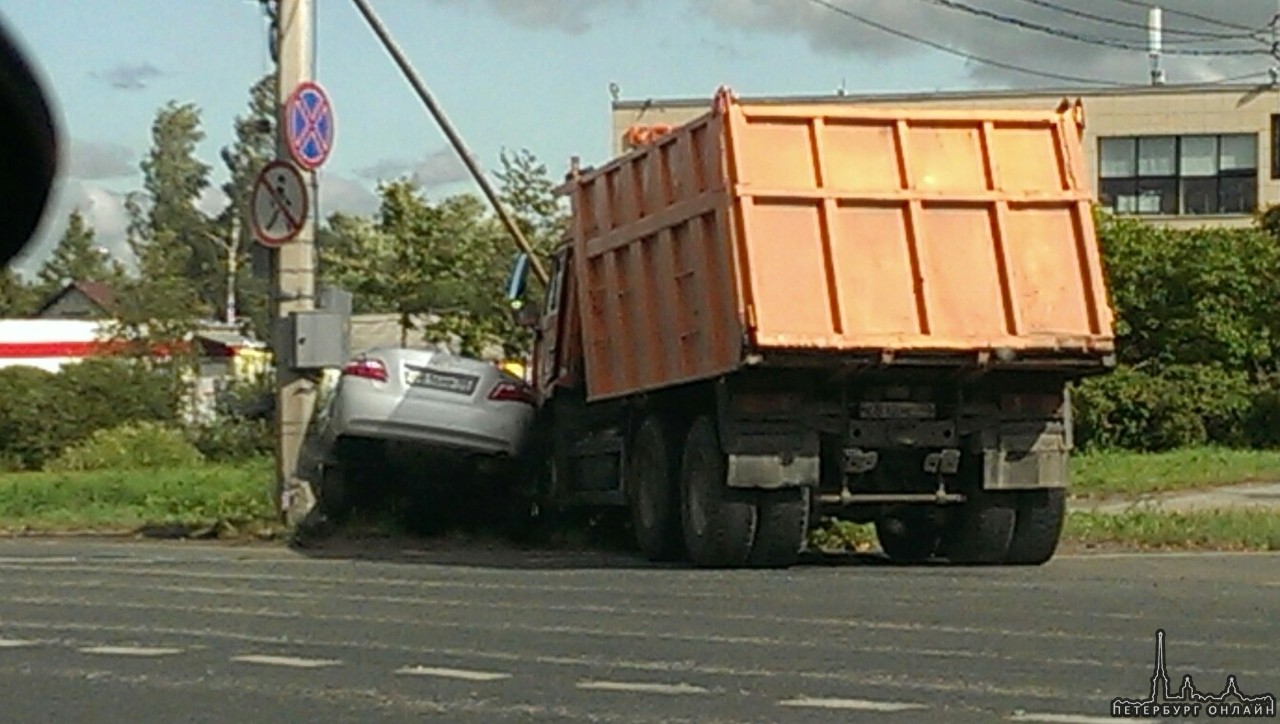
(653, 494)
(1040, 516)
(333, 497)
(719, 523)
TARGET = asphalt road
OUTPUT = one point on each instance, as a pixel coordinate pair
(146, 632)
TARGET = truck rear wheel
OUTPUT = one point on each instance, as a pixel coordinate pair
(908, 534)
(653, 495)
(782, 525)
(719, 523)
(980, 530)
(1040, 515)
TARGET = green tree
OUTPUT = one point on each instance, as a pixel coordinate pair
(18, 298)
(161, 306)
(173, 233)
(447, 259)
(528, 192)
(254, 146)
(1198, 296)
(77, 258)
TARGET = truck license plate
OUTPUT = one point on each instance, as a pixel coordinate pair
(897, 410)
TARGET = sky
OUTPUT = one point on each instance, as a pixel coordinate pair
(536, 74)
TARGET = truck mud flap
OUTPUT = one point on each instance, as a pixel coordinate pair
(770, 472)
(1027, 458)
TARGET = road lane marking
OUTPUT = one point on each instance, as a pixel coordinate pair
(129, 651)
(854, 704)
(1071, 719)
(445, 673)
(641, 687)
(291, 661)
(15, 643)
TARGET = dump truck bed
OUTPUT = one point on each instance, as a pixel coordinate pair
(830, 229)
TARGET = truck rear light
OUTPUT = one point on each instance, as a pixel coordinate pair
(513, 392)
(1047, 405)
(366, 368)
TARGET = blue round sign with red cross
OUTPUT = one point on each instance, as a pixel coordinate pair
(308, 125)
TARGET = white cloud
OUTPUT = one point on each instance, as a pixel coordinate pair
(572, 16)
(212, 201)
(103, 210)
(92, 160)
(438, 168)
(961, 26)
(129, 77)
(341, 194)
(1190, 25)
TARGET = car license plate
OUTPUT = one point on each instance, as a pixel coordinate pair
(443, 381)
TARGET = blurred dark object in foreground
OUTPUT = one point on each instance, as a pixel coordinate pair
(28, 149)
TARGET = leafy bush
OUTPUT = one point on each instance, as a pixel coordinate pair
(30, 421)
(41, 413)
(134, 446)
(1264, 414)
(1201, 296)
(1163, 409)
(242, 428)
(232, 439)
(111, 391)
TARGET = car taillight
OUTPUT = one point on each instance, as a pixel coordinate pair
(513, 392)
(369, 369)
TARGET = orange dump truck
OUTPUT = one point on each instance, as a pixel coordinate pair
(779, 312)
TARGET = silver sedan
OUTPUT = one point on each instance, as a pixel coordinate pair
(421, 410)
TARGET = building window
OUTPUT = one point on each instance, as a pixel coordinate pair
(1172, 175)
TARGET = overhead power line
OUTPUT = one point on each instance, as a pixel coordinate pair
(1077, 37)
(851, 15)
(1190, 15)
(1192, 36)
(958, 53)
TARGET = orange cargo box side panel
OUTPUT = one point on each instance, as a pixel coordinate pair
(658, 294)
(829, 227)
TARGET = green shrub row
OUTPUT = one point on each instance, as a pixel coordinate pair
(117, 413)
(1197, 335)
(1177, 406)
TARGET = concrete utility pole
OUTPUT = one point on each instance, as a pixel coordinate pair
(292, 272)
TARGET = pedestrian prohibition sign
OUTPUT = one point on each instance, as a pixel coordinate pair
(308, 125)
(279, 204)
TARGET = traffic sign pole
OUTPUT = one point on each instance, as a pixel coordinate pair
(292, 275)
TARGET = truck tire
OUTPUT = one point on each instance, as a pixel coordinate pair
(980, 530)
(1040, 515)
(652, 493)
(719, 523)
(908, 534)
(782, 527)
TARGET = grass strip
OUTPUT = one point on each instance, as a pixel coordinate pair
(1108, 474)
(121, 500)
